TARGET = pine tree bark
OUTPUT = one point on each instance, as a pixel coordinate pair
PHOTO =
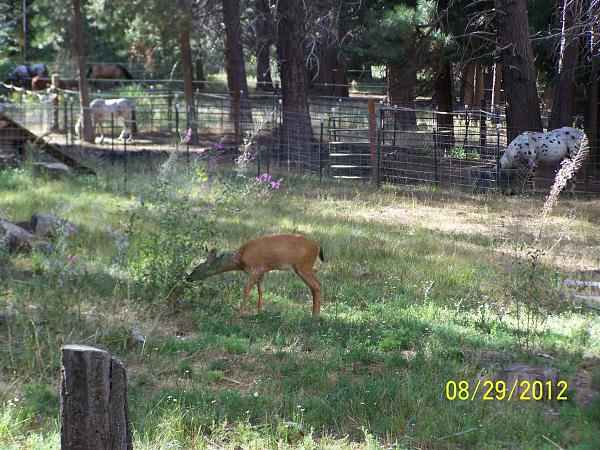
(341, 77)
(264, 39)
(445, 103)
(297, 129)
(234, 64)
(479, 90)
(84, 95)
(497, 85)
(402, 78)
(186, 67)
(467, 87)
(592, 120)
(326, 74)
(518, 73)
(199, 64)
(564, 97)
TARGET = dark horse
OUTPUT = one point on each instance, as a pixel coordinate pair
(108, 72)
(22, 75)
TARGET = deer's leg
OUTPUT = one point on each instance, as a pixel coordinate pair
(315, 285)
(247, 289)
(260, 286)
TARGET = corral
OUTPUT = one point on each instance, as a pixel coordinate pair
(360, 138)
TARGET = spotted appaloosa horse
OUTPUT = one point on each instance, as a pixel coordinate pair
(532, 148)
(552, 146)
(102, 109)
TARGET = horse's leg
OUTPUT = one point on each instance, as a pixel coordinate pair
(101, 131)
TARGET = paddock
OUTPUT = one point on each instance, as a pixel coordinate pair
(358, 138)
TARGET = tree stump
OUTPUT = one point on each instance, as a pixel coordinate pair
(94, 412)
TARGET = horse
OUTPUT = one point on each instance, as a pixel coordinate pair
(22, 75)
(108, 72)
(102, 109)
(39, 83)
(532, 148)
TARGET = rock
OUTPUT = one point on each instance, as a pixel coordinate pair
(522, 372)
(47, 225)
(14, 238)
(26, 225)
(53, 170)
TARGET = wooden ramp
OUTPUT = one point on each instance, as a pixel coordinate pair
(15, 136)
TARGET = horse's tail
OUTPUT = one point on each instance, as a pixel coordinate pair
(133, 122)
(89, 72)
(125, 72)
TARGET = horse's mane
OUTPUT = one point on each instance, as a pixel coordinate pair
(125, 71)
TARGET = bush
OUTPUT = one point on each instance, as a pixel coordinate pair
(166, 233)
(530, 293)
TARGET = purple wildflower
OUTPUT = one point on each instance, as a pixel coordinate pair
(218, 146)
(71, 229)
(531, 164)
(73, 258)
(113, 233)
(276, 184)
(265, 178)
(188, 137)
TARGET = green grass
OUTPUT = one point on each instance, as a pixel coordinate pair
(405, 274)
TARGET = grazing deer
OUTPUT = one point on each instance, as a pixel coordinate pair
(259, 256)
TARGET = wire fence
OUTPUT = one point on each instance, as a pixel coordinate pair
(356, 138)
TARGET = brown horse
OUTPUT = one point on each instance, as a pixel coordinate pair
(108, 72)
(40, 83)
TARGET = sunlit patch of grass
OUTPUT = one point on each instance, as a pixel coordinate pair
(407, 277)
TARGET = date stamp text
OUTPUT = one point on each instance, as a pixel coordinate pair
(499, 390)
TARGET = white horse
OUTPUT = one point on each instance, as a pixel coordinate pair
(105, 109)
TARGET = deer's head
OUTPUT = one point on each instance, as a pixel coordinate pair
(213, 265)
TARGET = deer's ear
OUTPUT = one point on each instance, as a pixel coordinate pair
(212, 256)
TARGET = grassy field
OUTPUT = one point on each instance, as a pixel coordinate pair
(417, 292)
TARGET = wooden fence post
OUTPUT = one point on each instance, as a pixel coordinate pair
(93, 407)
(373, 139)
(237, 117)
(55, 109)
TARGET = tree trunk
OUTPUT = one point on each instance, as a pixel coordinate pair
(341, 78)
(199, 63)
(234, 64)
(401, 85)
(497, 85)
(518, 74)
(592, 120)
(445, 103)
(93, 408)
(186, 67)
(326, 74)
(467, 87)
(564, 97)
(264, 81)
(88, 132)
(297, 129)
(479, 90)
